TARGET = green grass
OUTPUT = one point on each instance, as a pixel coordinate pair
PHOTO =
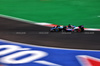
(62, 12)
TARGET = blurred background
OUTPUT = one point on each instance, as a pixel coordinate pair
(61, 12)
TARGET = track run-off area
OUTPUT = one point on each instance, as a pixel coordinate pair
(50, 48)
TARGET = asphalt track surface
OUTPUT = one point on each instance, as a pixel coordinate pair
(23, 32)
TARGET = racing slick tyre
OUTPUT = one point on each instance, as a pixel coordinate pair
(77, 30)
(55, 30)
(82, 28)
(64, 29)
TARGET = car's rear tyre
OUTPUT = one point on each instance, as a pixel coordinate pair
(77, 30)
(82, 28)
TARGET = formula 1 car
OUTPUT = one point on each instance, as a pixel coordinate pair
(72, 28)
(69, 28)
(56, 28)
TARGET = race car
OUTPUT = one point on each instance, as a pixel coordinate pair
(56, 28)
(71, 28)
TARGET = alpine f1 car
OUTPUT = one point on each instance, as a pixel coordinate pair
(69, 28)
(56, 28)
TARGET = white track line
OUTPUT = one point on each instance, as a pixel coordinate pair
(24, 20)
(92, 29)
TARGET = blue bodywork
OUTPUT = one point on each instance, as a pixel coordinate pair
(56, 28)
